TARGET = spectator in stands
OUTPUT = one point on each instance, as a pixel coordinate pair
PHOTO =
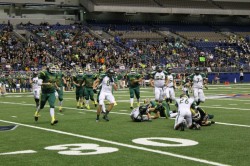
(241, 75)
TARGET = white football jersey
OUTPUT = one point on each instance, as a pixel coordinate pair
(36, 83)
(106, 85)
(170, 80)
(135, 113)
(159, 79)
(184, 103)
(197, 81)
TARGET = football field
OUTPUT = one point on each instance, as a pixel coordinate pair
(79, 140)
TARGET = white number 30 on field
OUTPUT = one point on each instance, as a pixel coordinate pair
(81, 149)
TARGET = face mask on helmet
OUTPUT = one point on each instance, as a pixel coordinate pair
(159, 69)
(57, 68)
(111, 73)
(102, 69)
(88, 71)
(169, 70)
(80, 73)
(132, 71)
(197, 71)
(197, 116)
(35, 74)
(52, 69)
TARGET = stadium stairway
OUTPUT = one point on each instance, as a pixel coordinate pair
(175, 35)
(18, 35)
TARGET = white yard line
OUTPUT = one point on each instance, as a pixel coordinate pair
(119, 144)
(229, 108)
(18, 152)
(230, 124)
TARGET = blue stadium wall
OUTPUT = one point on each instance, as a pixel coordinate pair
(229, 77)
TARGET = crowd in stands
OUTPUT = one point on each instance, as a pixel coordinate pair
(74, 45)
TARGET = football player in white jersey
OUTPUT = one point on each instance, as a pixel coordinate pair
(171, 84)
(158, 81)
(36, 87)
(184, 113)
(107, 82)
(198, 79)
(141, 113)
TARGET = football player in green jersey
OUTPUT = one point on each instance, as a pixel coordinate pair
(60, 83)
(134, 80)
(78, 81)
(89, 78)
(160, 108)
(2, 84)
(48, 92)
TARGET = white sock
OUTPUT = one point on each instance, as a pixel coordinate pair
(173, 115)
(138, 100)
(103, 108)
(131, 101)
(52, 112)
(38, 109)
(60, 103)
(87, 102)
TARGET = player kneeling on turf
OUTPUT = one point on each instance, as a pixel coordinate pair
(140, 114)
(184, 114)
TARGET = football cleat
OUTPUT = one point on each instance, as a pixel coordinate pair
(210, 116)
(36, 118)
(196, 126)
(54, 122)
(87, 106)
(97, 119)
(95, 103)
(60, 109)
(105, 117)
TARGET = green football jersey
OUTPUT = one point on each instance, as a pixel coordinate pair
(48, 77)
(89, 80)
(59, 80)
(131, 78)
(79, 79)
